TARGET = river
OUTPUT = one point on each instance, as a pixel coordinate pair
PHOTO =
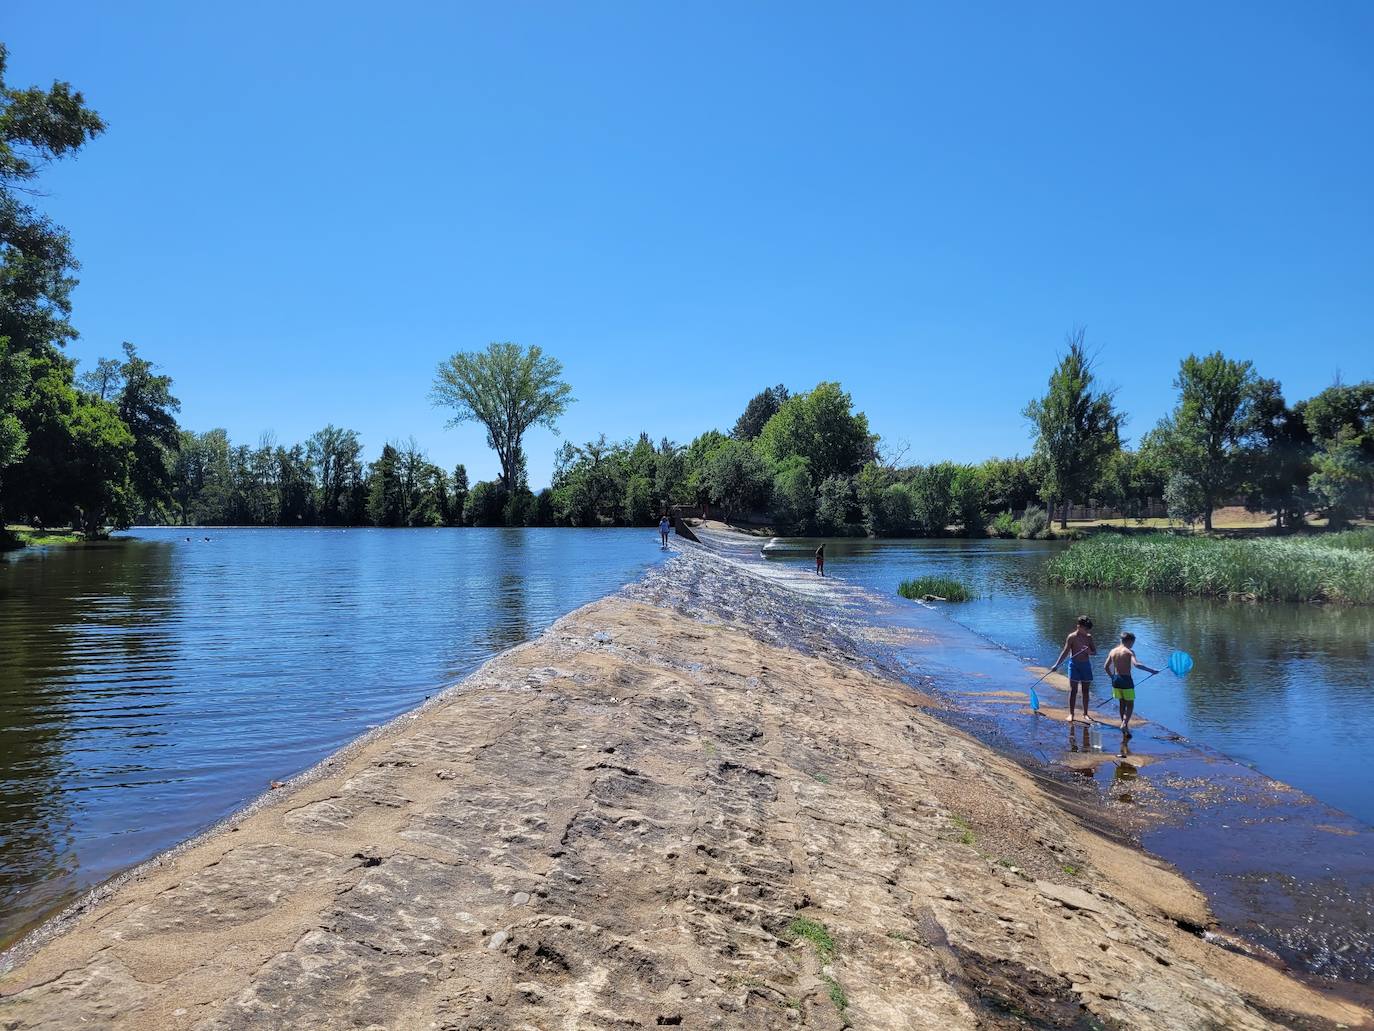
(1282, 687)
(150, 685)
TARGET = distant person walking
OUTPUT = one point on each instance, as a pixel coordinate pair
(1079, 648)
(1120, 662)
(663, 527)
(820, 561)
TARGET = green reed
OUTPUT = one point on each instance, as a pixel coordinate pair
(939, 586)
(1337, 568)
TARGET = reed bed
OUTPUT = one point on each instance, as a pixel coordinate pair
(937, 586)
(1338, 568)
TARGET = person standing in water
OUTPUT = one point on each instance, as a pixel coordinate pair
(663, 527)
(1120, 662)
(1079, 647)
(820, 561)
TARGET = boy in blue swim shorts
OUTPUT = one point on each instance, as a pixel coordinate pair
(1121, 661)
(1080, 649)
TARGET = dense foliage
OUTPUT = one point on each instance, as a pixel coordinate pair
(1324, 568)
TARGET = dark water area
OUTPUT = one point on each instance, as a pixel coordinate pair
(1284, 688)
(151, 685)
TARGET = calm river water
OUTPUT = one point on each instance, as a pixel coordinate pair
(1285, 688)
(149, 686)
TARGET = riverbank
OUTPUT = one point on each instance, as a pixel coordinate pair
(12, 538)
(650, 816)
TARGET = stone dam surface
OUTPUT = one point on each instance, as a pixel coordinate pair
(685, 805)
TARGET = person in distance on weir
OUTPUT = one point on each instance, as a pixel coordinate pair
(663, 527)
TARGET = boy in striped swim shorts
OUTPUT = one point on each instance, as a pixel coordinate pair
(1120, 662)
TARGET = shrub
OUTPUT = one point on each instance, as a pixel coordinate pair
(1184, 499)
(938, 586)
(1005, 525)
(1034, 523)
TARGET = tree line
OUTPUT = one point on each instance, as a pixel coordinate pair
(104, 448)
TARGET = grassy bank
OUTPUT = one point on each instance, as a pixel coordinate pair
(1336, 567)
(12, 537)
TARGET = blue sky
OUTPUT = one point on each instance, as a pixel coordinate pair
(300, 208)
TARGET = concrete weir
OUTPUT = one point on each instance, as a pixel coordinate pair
(686, 805)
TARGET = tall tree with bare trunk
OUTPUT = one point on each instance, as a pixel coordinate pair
(508, 389)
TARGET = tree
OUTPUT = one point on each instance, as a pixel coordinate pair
(75, 470)
(695, 463)
(145, 404)
(821, 427)
(794, 496)
(1279, 459)
(1076, 428)
(1185, 498)
(507, 389)
(670, 473)
(14, 380)
(335, 454)
(968, 493)
(458, 494)
(1206, 435)
(1339, 419)
(761, 407)
(485, 503)
(932, 498)
(104, 380)
(870, 488)
(37, 126)
(385, 506)
(738, 479)
(1340, 476)
(835, 504)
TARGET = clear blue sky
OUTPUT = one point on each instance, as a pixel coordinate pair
(300, 208)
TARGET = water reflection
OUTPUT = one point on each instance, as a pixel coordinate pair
(149, 686)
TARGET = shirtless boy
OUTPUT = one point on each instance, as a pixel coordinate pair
(1120, 662)
(1079, 647)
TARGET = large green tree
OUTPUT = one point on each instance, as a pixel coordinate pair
(738, 479)
(145, 403)
(1206, 437)
(1076, 428)
(822, 427)
(508, 389)
(37, 126)
(336, 455)
(1340, 421)
(76, 469)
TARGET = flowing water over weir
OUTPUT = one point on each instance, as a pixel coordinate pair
(1291, 875)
